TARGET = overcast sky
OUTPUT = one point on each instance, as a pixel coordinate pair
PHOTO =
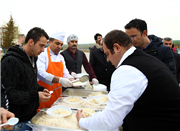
(85, 18)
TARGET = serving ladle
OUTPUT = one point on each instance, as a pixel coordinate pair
(83, 78)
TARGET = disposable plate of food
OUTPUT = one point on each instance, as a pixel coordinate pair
(79, 83)
(93, 101)
(59, 111)
(73, 99)
(103, 99)
(87, 112)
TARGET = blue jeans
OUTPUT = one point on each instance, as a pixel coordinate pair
(20, 127)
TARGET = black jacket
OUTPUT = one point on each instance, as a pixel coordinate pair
(19, 79)
(91, 49)
(101, 67)
(177, 61)
(4, 101)
(161, 52)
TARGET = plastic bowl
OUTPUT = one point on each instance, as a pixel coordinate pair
(65, 100)
(50, 110)
(99, 98)
(89, 98)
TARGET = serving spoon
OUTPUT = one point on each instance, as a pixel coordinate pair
(83, 78)
(11, 121)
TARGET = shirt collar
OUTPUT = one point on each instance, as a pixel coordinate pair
(97, 46)
(51, 52)
(71, 51)
(146, 46)
(31, 59)
(126, 54)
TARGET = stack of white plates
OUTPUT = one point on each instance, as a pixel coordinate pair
(100, 87)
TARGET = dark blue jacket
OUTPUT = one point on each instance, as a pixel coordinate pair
(177, 60)
(161, 52)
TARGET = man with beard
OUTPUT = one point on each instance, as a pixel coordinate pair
(52, 71)
(137, 30)
(75, 59)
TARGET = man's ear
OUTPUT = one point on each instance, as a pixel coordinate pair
(117, 47)
(49, 42)
(31, 42)
(144, 33)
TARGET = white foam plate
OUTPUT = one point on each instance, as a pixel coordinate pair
(65, 100)
(87, 100)
(50, 110)
(98, 97)
(80, 84)
(88, 113)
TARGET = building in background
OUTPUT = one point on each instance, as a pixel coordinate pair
(21, 39)
(2, 30)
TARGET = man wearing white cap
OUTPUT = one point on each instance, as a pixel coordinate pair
(75, 59)
(52, 71)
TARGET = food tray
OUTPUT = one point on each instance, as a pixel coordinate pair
(80, 92)
(53, 122)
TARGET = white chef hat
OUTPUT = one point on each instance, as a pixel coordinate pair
(59, 35)
(72, 37)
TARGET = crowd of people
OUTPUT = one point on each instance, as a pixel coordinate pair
(141, 72)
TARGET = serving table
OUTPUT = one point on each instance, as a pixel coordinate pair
(44, 122)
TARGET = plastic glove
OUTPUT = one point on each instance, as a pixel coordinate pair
(65, 82)
(95, 81)
(74, 74)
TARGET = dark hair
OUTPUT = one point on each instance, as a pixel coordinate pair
(117, 36)
(167, 39)
(138, 24)
(96, 35)
(51, 39)
(35, 34)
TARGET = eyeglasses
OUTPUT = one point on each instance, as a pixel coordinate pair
(134, 37)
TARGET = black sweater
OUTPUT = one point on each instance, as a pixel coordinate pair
(19, 78)
(158, 108)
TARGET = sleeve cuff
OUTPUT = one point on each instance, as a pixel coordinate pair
(49, 79)
(69, 76)
(41, 88)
